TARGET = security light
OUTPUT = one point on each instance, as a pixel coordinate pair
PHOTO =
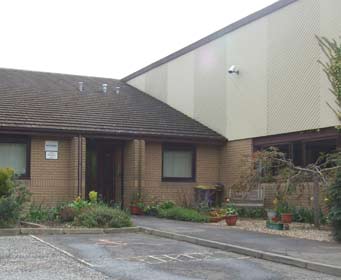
(233, 70)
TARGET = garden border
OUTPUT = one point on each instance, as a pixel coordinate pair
(277, 258)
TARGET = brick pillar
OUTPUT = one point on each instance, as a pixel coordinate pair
(233, 157)
(134, 169)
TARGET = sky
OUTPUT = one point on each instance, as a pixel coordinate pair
(107, 38)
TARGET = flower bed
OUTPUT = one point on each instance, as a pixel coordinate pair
(297, 230)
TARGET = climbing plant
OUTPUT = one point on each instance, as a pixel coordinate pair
(332, 68)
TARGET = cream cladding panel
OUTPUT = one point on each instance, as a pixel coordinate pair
(246, 92)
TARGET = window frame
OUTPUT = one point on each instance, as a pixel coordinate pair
(20, 140)
(179, 147)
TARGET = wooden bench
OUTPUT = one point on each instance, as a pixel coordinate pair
(253, 198)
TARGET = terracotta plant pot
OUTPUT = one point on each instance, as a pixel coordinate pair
(286, 218)
(231, 220)
(135, 210)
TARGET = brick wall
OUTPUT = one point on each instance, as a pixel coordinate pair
(207, 172)
(54, 181)
(233, 156)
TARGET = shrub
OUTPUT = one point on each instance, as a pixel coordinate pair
(167, 204)
(93, 196)
(11, 205)
(67, 214)
(103, 216)
(182, 214)
(6, 181)
(40, 213)
(251, 212)
(335, 207)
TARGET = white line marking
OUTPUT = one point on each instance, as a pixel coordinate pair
(63, 251)
(158, 259)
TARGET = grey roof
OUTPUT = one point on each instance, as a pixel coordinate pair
(244, 21)
(37, 101)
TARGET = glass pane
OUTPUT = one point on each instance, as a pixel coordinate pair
(177, 164)
(13, 155)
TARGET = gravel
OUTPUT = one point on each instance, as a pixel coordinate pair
(297, 230)
(22, 257)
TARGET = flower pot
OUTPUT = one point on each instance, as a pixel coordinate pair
(276, 226)
(231, 220)
(286, 218)
(135, 210)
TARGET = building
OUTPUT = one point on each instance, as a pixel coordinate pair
(277, 94)
(185, 120)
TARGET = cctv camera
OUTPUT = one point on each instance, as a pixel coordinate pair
(233, 70)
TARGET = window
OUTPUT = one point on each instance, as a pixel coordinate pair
(14, 153)
(178, 163)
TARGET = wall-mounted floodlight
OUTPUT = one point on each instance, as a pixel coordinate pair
(233, 70)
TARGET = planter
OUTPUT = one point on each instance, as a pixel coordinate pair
(135, 210)
(216, 219)
(286, 218)
(231, 220)
(276, 226)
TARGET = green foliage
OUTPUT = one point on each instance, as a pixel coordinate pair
(230, 209)
(335, 207)
(251, 212)
(168, 204)
(6, 181)
(154, 208)
(305, 215)
(79, 203)
(11, 204)
(182, 214)
(137, 200)
(40, 213)
(332, 68)
(93, 196)
(103, 216)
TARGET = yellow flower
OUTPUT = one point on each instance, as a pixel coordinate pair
(78, 198)
(275, 201)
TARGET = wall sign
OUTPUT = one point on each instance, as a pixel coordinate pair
(51, 155)
(51, 149)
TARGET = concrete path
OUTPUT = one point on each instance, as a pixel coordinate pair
(316, 251)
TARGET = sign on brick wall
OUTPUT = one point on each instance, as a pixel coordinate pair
(51, 149)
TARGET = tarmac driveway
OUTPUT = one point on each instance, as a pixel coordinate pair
(134, 256)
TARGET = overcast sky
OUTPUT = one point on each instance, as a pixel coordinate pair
(107, 38)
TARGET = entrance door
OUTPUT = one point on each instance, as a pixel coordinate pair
(105, 172)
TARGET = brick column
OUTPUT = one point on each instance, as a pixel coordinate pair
(134, 169)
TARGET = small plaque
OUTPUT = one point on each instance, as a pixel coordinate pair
(51, 146)
(51, 155)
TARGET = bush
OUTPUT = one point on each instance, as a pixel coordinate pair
(67, 214)
(40, 213)
(103, 216)
(6, 181)
(250, 212)
(11, 205)
(335, 207)
(182, 214)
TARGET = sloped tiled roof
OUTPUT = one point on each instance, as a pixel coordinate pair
(45, 101)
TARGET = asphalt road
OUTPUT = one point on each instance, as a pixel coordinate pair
(132, 256)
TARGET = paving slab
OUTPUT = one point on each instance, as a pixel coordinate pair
(142, 256)
(316, 251)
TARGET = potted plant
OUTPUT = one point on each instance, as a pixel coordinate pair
(217, 215)
(282, 208)
(231, 215)
(136, 205)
